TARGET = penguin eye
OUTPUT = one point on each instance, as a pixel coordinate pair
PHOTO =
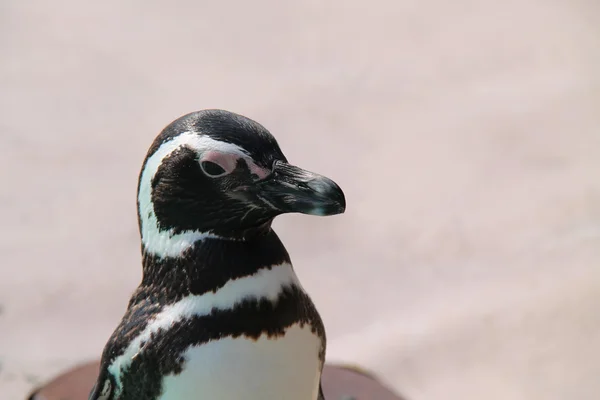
(212, 169)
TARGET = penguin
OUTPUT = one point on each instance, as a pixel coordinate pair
(220, 313)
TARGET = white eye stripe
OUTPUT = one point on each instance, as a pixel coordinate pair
(162, 242)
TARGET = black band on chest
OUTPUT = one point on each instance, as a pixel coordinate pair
(163, 354)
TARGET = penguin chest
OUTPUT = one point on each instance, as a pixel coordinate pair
(282, 367)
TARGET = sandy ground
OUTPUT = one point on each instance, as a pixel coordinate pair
(465, 134)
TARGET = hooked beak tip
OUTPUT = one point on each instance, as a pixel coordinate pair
(293, 189)
(333, 200)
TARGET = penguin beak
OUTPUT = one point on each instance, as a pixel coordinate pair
(291, 189)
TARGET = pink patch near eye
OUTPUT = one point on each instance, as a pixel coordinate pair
(228, 162)
(225, 160)
(262, 173)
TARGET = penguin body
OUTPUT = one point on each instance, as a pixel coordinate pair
(220, 313)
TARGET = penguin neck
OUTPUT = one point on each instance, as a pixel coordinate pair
(210, 263)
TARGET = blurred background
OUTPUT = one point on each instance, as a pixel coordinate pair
(465, 134)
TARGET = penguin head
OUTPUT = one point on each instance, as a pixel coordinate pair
(216, 174)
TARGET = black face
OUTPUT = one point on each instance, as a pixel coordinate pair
(232, 193)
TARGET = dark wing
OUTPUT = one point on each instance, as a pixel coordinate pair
(104, 388)
(142, 307)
